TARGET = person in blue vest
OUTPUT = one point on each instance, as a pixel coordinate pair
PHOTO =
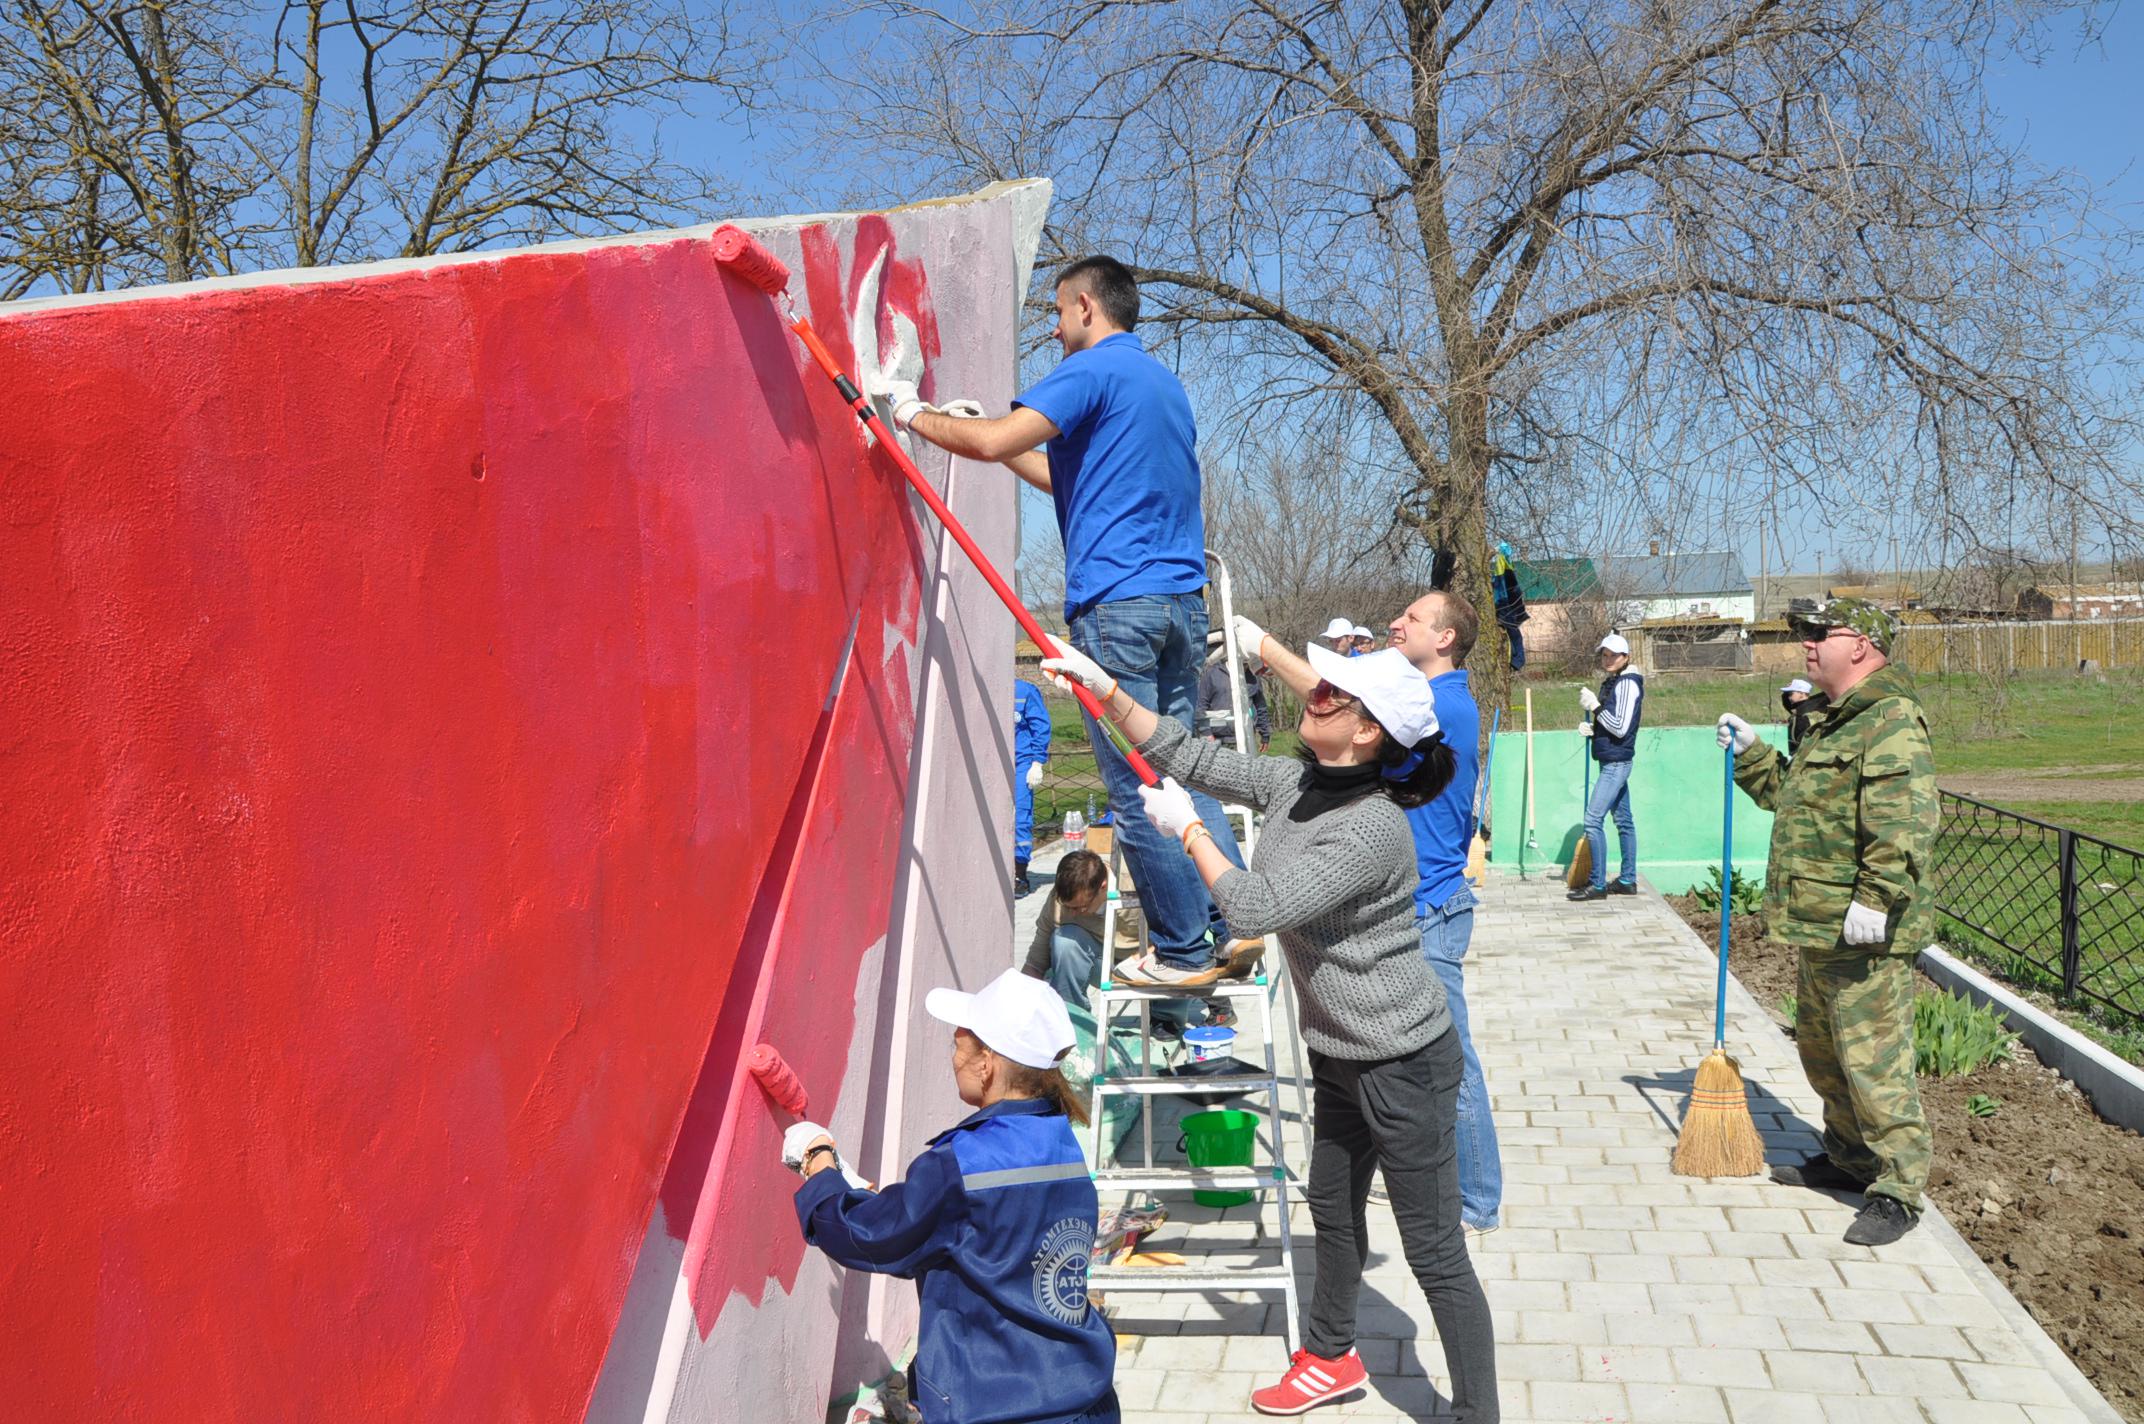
(1030, 749)
(1122, 470)
(1436, 632)
(1616, 710)
(994, 1223)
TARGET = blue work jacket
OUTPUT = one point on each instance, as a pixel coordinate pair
(1030, 723)
(994, 1223)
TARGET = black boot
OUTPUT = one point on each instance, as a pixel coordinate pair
(1021, 885)
(1818, 1173)
(1588, 893)
(1882, 1221)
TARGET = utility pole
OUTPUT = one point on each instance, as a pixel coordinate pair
(1898, 587)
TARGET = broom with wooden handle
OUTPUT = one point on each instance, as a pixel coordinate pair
(1718, 1137)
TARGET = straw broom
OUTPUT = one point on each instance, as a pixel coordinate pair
(1718, 1138)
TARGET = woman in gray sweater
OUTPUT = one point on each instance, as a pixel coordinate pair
(1334, 879)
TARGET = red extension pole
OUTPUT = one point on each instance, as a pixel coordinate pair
(742, 254)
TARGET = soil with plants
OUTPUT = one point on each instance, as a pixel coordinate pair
(2050, 1195)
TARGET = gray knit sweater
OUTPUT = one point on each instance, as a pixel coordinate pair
(1338, 891)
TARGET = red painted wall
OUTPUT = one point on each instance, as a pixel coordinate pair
(406, 684)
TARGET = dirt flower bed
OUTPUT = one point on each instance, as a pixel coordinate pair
(2050, 1195)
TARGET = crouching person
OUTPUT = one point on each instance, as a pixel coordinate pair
(993, 1222)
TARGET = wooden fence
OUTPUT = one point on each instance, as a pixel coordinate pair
(2056, 646)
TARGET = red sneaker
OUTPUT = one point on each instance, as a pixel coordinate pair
(1310, 1382)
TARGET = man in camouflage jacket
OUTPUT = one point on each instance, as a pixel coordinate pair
(1847, 884)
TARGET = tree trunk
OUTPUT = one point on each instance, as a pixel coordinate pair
(1461, 519)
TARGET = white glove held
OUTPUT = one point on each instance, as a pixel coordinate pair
(796, 1139)
(1736, 733)
(1589, 699)
(1070, 665)
(1169, 807)
(1864, 925)
(1249, 636)
(1034, 775)
(962, 409)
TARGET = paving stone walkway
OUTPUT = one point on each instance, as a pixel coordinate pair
(1621, 1291)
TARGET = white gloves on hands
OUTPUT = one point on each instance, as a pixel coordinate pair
(1585, 729)
(1249, 636)
(1034, 775)
(1736, 733)
(802, 1137)
(907, 405)
(1865, 926)
(962, 409)
(1070, 665)
(798, 1139)
(1169, 807)
(1589, 699)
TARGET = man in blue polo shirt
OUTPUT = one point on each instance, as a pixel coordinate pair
(1436, 632)
(1122, 469)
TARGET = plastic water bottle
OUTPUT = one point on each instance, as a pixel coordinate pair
(1075, 827)
(1090, 811)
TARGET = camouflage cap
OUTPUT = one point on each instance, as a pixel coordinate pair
(1864, 617)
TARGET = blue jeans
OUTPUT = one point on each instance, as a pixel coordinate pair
(1611, 792)
(1023, 813)
(1447, 930)
(1154, 646)
(1075, 963)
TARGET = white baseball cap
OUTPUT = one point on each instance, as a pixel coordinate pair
(1393, 689)
(1616, 643)
(1800, 684)
(1362, 632)
(1338, 628)
(1016, 1017)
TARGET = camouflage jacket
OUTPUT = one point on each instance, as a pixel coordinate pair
(1856, 819)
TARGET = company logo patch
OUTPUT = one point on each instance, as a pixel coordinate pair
(1061, 1269)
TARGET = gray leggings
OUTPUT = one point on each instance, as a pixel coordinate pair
(1401, 1114)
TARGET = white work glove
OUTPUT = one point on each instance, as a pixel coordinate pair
(1864, 925)
(1034, 775)
(902, 400)
(799, 1139)
(1169, 807)
(963, 409)
(1585, 729)
(1589, 699)
(1249, 636)
(1070, 665)
(1736, 733)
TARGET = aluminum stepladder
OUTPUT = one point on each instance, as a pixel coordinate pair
(1272, 1181)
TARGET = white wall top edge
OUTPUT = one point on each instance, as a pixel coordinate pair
(302, 276)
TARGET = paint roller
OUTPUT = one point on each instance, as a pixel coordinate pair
(742, 256)
(777, 1079)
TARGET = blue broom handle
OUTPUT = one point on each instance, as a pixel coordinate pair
(1727, 885)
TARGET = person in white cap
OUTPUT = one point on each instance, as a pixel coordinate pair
(1802, 703)
(1616, 711)
(994, 1223)
(1334, 879)
(1340, 633)
(1365, 641)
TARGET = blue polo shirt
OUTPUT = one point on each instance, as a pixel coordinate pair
(1443, 827)
(1124, 474)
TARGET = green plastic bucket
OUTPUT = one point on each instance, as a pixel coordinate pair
(1223, 1137)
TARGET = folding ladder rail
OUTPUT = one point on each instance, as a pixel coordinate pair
(1270, 1181)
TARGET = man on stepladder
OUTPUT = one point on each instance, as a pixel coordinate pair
(1436, 632)
(1616, 710)
(1847, 884)
(1122, 470)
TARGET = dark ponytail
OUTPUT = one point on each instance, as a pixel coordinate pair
(1416, 776)
(1047, 1084)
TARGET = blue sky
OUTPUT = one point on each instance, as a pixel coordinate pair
(2077, 106)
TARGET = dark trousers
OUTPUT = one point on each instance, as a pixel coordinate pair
(1399, 1114)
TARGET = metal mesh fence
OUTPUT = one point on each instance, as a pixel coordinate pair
(2059, 910)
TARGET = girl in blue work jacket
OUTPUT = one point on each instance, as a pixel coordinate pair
(994, 1223)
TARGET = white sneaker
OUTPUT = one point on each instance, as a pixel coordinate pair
(1147, 971)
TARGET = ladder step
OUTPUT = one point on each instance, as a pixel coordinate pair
(1209, 1179)
(1218, 1085)
(1176, 1278)
(1116, 993)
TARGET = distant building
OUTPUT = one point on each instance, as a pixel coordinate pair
(1709, 585)
(1897, 597)
(2093, 600)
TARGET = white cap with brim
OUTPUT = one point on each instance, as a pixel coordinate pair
(1391, 688)
(1338, 628)
(1016, 1017)
(1800, 684)
(1616, 643)
(1362, 632)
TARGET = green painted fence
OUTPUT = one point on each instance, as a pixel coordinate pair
(1674, 800)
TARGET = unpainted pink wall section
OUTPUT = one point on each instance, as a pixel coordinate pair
(415, 723)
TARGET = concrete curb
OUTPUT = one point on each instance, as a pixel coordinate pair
(2115, 1088)
(2087, 1399)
